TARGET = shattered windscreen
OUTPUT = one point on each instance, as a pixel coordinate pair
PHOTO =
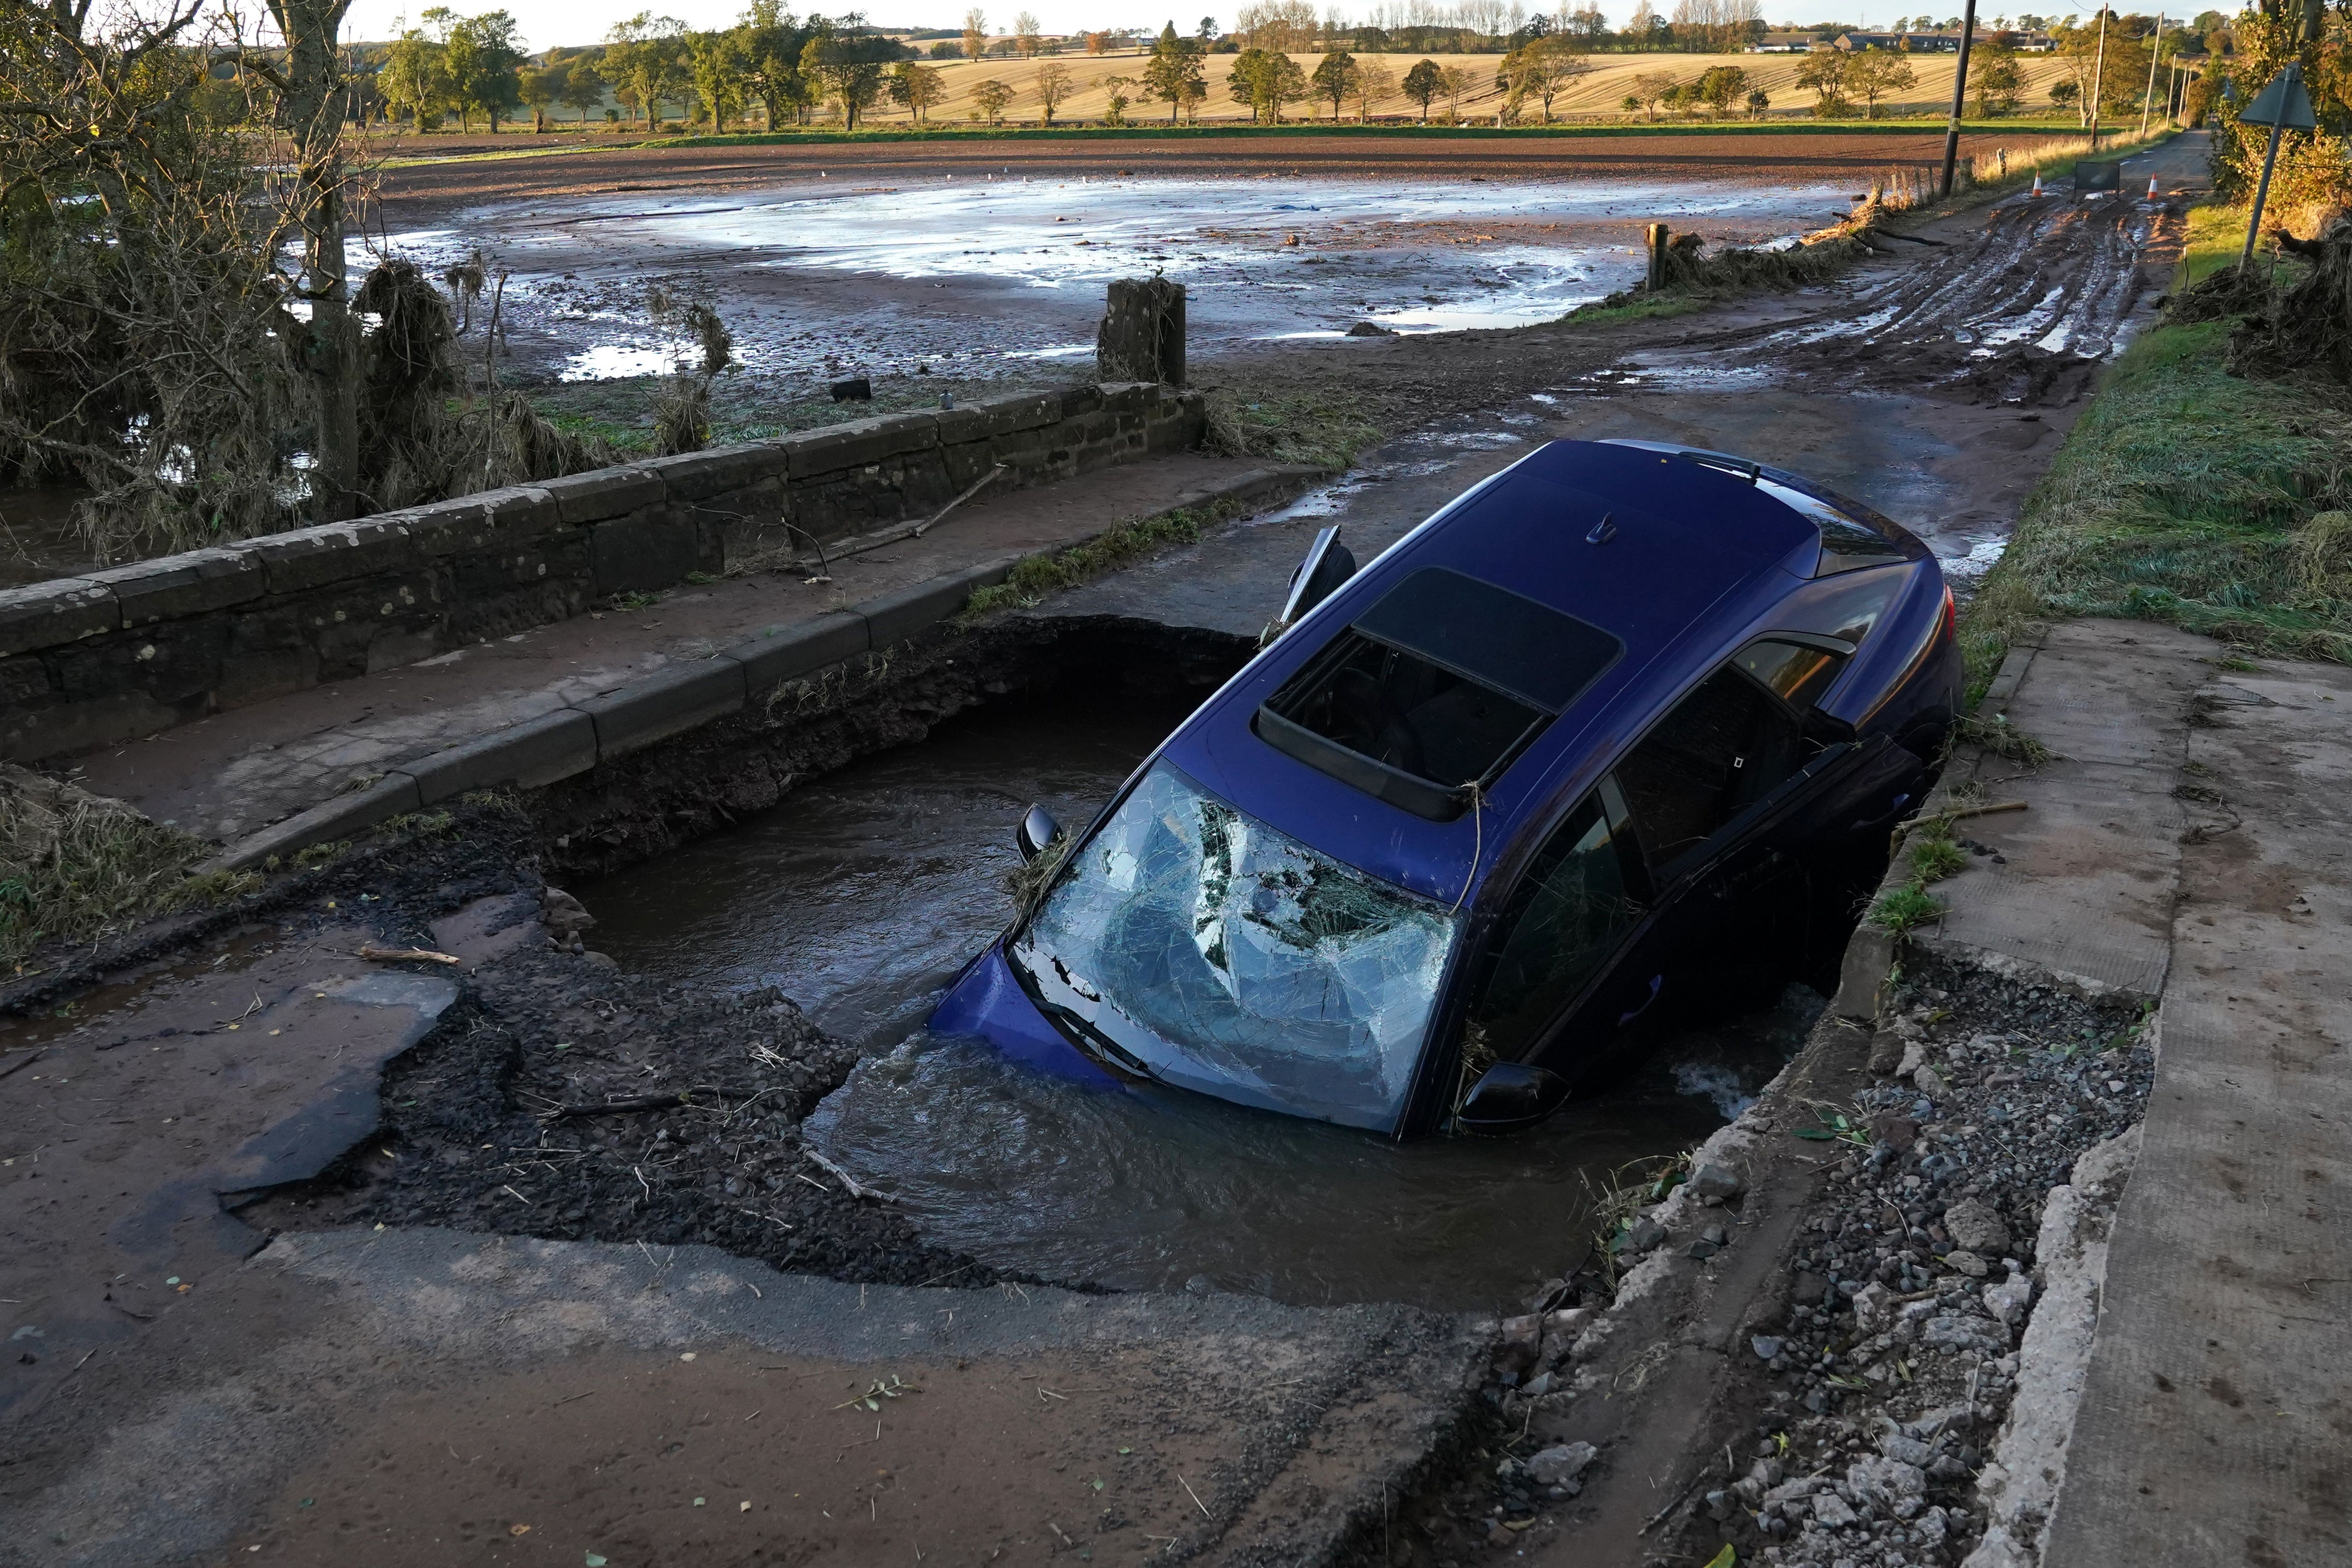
(1198, 945)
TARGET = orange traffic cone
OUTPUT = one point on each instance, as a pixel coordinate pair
(2037, 184)
(2151, 187)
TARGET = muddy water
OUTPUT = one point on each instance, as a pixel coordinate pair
(862, 895)
(986, 276)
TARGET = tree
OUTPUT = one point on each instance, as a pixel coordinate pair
(2065, 94)
(1454, 81)
(1116, 99)
(916, 87)
(1335, 78)
(1374, 81)
(537, 86)
(1266, 81)
(1175, 70)
(1277, 26)
(1876, 73)
(1025, 39)
(582, 87)
(975, 33)
(1051, 84)
(415, 76)
(1759, 104)
(1998, 81)
(1719, 86)
(1097, 43)
(483, 54)
(641, 62)
(311, 95)
(1542, 68)
(1423, 83)
(716, 65)
(1825, 74)
(992, 97)
(1651, 88)
(848, 62)
(771, 42)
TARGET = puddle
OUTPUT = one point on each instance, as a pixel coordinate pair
(862, 895)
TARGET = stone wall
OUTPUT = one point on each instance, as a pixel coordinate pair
(111, 655)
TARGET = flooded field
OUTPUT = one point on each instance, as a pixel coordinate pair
(863, 895)
(981, 272)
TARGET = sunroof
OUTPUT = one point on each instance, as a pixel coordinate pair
(1436, 688)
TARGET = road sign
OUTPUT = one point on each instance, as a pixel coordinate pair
(2284, 103)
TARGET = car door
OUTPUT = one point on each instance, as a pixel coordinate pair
(1547, 984)
(1727, 795)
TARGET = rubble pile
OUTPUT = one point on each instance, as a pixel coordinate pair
(1894, 1369)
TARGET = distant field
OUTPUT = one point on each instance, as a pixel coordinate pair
(1594, 97)
(417, 191)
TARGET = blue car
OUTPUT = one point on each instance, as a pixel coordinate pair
(1618, 733)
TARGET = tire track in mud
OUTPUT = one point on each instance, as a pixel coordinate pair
(2022, 312)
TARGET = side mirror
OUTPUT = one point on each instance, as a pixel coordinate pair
(1037, 829)
(1329, 564)
(1510, 1095)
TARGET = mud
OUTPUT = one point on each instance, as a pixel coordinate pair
(987, 273)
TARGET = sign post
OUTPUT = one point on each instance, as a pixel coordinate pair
(2282, 106)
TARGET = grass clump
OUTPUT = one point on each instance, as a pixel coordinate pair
(1324, 429)
(2189, 495)
(76, 866)
(1903, 910)
(1997, 734)
(1936, 857)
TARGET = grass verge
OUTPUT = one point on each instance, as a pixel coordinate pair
(1121, 543)
(2192, 497)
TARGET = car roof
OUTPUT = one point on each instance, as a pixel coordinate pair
(1696, 553)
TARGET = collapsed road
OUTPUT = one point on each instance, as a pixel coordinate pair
(548, 1266)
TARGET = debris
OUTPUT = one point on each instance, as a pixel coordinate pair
(1560, 1465)
(1976, 1226)
(849, 1183)
(1718, 1182)
(1522, 1341)
(564, 916)
(407, 954)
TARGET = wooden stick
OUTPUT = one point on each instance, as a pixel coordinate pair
(849, 1183)
(407, 954)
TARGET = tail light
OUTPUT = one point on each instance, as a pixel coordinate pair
(1951, 622)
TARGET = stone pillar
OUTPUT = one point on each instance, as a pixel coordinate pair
(1142, 333)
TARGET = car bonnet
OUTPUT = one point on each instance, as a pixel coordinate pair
(1689, 550)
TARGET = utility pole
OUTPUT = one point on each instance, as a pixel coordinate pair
(2098, 74)
(2147, 99)
(1959, 93)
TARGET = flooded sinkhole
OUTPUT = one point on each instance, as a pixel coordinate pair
(865, 893)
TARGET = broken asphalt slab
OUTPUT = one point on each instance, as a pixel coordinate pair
(391, 1394)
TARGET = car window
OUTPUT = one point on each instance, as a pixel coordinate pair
(1563, 919)
(1796, 673)
(1722, 748)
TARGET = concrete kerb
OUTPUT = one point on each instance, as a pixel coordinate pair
(575, 738)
